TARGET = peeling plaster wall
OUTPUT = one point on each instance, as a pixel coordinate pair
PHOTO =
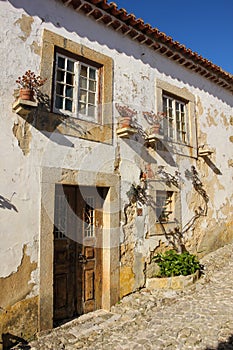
(215, 130)
(25, 149)
(22, 278)
(18, 303)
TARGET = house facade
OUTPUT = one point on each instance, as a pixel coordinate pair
(86, 201)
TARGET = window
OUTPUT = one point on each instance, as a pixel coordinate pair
(180, 125)
(164, 206)
(60, 224)
(76, 88)
(81, 88)
(174, 125)
(89, 217)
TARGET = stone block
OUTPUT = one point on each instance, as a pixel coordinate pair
(175, 283)
(126, 281)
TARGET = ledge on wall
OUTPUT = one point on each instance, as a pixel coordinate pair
(24, 107)
(126, 132)
(205, 152)
(151, 140)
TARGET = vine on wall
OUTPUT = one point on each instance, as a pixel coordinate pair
(176, 237)
(138, 193)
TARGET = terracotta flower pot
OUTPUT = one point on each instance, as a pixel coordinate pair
(155, 129)
(26, 94)
(125, 122)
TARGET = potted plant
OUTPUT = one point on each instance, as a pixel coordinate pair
(126, 116)
(154, 120)
(29, 85)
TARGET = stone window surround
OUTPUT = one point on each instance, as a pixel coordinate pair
(156, 228)
(78, 61)
(111, 212)
(162, 87)
(49, 121)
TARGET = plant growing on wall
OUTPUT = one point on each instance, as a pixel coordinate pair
(198, 186)
(137, 193)
(176, 237)
(169, 178)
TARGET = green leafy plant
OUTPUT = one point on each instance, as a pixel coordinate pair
(173, 264)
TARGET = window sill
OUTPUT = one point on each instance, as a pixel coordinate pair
(167, 145)
(158, 228)
(66, 114)
(165, 222)
(75, 127)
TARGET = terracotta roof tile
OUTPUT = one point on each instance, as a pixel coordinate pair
(144, 33)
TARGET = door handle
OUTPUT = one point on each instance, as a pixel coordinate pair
(81, 258)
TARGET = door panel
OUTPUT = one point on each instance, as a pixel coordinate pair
(64, 254)
(89, 268)
(61, 284)
(88, 199)
(77, 250)
(89, 278)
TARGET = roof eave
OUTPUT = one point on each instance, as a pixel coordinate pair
(136, 29)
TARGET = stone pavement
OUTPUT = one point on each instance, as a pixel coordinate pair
(199, 318)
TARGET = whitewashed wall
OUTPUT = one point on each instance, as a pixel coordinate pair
(136, 69)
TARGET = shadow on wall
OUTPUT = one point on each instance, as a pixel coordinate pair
(227, 345)
(43, 122)
(6, 204)
(209, 162)
(9, 341)
(48, 124)
(138, 146)
(86, 28)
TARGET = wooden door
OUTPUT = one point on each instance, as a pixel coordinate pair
(64, 253)
(89, 252)
(77, 250)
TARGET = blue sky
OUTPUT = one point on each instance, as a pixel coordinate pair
(204, 26)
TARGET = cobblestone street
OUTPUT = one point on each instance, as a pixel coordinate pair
(200, 317)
